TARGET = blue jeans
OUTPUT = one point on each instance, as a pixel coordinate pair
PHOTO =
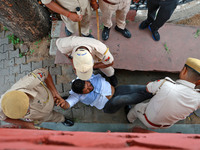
(127, 95)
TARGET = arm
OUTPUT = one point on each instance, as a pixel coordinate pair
(52, 88)
(102, 65)
(23, 124)
(69, 102)
(107, 60)
(153, 87)
(58, 9)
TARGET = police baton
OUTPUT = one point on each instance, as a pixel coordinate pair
(78, 11)
(97, 17)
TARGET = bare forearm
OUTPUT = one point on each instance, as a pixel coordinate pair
(50, 85)
(102, 65)
(21, 123)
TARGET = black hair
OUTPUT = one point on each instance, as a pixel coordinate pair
(78, 86)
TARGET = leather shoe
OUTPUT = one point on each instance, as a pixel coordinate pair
(113, 80)
(155, 34)
(124, 32)
(68, 122)
(89, 35)
(68, 33)
(127, 108)
(105, 33)
(144, 25)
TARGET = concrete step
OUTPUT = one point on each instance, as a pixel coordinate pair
(119, 127)
(141, 52)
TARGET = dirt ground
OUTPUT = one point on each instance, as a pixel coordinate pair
(41, 50)
(193, 21)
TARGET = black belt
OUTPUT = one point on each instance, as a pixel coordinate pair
(106, 1)
(155, 125)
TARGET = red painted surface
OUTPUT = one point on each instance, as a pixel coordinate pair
(142, 53)
(45, 139)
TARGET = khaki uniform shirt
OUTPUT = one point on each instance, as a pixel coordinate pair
(41, 101)
(99, 51)
(173, 101)
(68, 45)
(71, 6)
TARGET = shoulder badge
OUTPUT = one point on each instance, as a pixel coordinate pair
(107, 59)
(40, 75)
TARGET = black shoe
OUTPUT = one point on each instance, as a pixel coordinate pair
(89, 35)
(68, 33)
(105, 33)
(155, 34)
(68, 122)
(127, 108)
(124, 32)
(113, 80)
(144, 25)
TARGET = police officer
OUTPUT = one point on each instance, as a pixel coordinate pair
(172, 100)
(155, 22)
(108, 8)
(30, 102)
(68, 12)
(88, 53)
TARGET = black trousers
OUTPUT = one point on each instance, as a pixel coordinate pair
(165, 9)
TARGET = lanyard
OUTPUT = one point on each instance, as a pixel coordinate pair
(43, 86)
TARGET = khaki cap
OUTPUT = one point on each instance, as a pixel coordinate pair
(15, 104)
(83, 63)
(194, 64)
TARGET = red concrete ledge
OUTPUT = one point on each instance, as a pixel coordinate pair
(45, 139)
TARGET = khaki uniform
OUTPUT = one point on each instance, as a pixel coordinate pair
(71, 5)
(41, 103)
(99, 51)
(121, 7)
(172, 101)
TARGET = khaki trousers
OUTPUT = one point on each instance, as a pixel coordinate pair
(121, 9)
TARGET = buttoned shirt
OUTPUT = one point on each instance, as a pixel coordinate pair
(173, 101)
(98, 50)
(71, 5)
(100, 100)
(41, 100)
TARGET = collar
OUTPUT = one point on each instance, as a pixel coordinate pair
(186, 83)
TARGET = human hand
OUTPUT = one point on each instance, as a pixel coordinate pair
(56, 96)
(74, 17)
(62, 103)
(94, 4)
(29, 125)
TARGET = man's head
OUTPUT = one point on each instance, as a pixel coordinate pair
(83, 63)
(191, 71)
(15, 104)
(82, 87)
